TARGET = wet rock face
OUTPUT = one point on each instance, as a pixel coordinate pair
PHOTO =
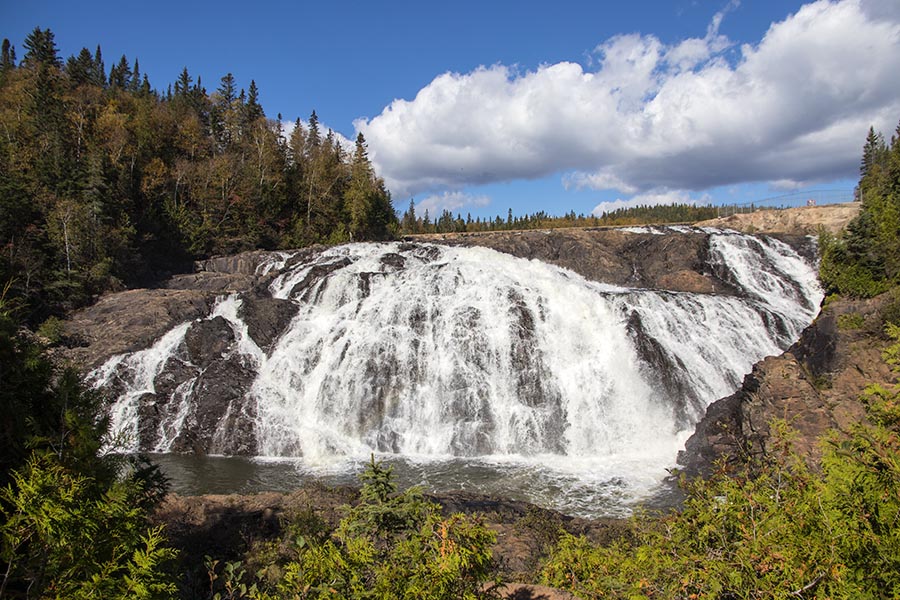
(642, 260)
(266, 318)
(814, 386)
(207, 341)
(217, 419)
(668, 372)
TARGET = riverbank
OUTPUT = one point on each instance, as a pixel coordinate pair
(236, 527)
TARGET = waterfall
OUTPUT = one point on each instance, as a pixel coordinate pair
(433, 351)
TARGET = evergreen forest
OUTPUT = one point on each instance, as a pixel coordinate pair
(106, 182)
(413, 223)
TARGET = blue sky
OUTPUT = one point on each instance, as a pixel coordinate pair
(483, 106)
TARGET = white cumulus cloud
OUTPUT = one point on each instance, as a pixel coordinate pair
(794, 106)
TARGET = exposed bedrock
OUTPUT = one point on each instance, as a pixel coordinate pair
(814, 386)
(678, 262)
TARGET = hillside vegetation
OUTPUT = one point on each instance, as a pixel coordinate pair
(107, 181)
(864, 260)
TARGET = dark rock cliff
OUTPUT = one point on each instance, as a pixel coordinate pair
(669, 262)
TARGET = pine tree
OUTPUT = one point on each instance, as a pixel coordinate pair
(253, 109)
(40, 48)
(99, 75)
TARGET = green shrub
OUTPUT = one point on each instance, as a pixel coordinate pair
(390, 545)
(841, 273)
(64, 538)
(849, 321)
(890, 313)
(51, 330)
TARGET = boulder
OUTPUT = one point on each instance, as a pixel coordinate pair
(266, 318)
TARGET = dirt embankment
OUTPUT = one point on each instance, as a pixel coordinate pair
(806, 220)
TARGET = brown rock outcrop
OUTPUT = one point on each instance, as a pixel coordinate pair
(134, 319)
(814, 386)
(129, 321)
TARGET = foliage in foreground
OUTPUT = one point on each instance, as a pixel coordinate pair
(787, 532)
(63, 539)
(72, 522)
(391, 545)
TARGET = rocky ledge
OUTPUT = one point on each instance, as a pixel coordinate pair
(675, 262)
(805, 220)
(134, 319)
(814, 386)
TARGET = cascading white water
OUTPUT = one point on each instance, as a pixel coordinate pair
(466, 351)
(438, 352)
(133, 375)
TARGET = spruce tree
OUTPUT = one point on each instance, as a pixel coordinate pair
(40, 48)
(135, 83)
(99, 75)
(254, 110)
(183, 84)
(872, 148)
(120, 75)
(409, 217)
(80, 69)
(313, 138)
(226, 91)
(7, 57)
(359, 194)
